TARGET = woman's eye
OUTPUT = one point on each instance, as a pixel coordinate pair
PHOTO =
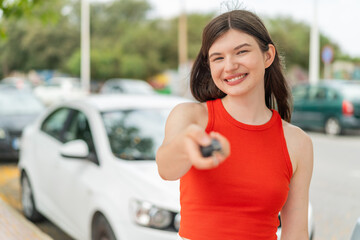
(217, 59)
(241, 52)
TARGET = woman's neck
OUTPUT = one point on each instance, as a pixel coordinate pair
(252, 111)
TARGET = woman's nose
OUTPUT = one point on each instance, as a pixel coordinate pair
(231, 65)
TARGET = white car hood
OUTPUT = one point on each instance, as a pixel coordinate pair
(147, 185)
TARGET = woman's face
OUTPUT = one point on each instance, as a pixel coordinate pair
(237, 63)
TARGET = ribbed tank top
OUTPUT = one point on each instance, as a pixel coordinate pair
(241, 198)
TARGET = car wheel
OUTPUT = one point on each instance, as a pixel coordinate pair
(333, 127)
(101, 229)
(27, 200)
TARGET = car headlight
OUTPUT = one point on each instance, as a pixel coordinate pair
(149, 215)
(177, 221)
(2, 134)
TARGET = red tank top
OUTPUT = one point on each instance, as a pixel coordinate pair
(242, 197)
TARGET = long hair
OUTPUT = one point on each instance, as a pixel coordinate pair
(277, 94)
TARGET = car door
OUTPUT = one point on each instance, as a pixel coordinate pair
(76, 177)
(300, 94)
(47, 144)
(333, 105)
(314, 109)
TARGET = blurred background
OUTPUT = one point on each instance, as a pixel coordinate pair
(152, 40)
(66, 49)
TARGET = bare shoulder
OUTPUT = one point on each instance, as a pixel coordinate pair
(295, 133)
(191, 107)
(190, 112)
(184, 115)
(299, 144)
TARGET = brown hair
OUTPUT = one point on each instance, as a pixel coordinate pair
(277, 94)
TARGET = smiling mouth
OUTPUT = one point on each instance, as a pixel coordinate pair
(236, 78)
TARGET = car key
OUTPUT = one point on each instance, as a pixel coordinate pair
(207, 151)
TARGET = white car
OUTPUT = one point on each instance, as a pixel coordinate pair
(88, 166)
(59, 89)
(127, 86)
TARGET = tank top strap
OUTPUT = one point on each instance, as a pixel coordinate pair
(211, 115)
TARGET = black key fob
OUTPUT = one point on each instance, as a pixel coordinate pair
(207, 151)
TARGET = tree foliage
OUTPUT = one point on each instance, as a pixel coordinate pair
(31, 43)
(291, 39)
(125, 42)
(17, 8)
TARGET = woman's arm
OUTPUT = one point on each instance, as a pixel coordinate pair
(184, 133)
(294, 215)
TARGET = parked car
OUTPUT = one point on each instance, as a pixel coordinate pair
(17, 109)
(59, 89)
(332, 105)
(16, 83)
(127, 86)
(7, 86)
(89, 166)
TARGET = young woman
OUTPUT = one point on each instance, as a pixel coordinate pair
(266, 163)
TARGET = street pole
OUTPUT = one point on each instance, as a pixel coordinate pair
(85, 45)
(327, 70)
(182, 38)
(182, 50)
(314, 57)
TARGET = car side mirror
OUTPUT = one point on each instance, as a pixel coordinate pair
(75, 149)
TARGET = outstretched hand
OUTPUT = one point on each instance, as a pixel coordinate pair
(196, 137)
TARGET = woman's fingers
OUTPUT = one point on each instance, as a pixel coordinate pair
(196, 159)
(197, 137)
(225, 145)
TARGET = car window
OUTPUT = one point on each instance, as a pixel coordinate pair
(332, 94)
(299, 93)
(317, 93)
(79, 129)
(115, 88)
(351, 92)
(54, 124)
(135, 134)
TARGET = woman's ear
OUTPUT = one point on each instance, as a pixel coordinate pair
(270, 55)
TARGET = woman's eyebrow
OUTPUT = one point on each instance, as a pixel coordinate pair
(214, 54)
(236, 48)
(242, 45)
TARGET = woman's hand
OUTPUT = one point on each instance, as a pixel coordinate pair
(184, 134)
(195, 137)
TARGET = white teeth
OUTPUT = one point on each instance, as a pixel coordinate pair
(236, 78)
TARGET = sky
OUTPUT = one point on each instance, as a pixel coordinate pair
(337, 19)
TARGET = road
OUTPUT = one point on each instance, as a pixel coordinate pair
(334, 190)
(335, 186)
(10, 193)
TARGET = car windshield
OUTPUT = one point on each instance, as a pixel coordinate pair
(352, 92)
(19, 103)
(135, 134)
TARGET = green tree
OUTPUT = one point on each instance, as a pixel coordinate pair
(118, 34)
(124, 41)
(196, 23)
(17, 8)
(292, 40)
(33, 44)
